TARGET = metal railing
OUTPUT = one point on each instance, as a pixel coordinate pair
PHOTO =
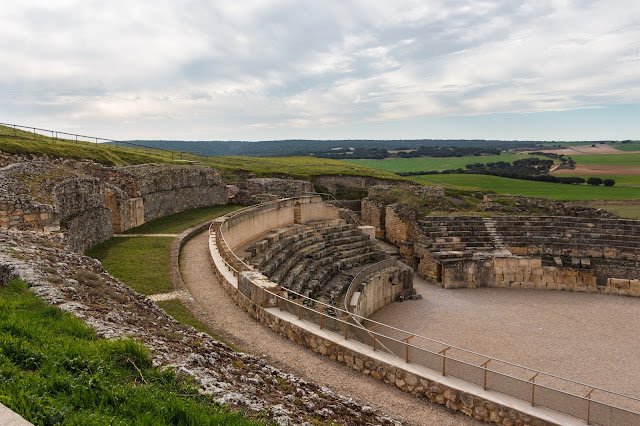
(55, 135)
(594, 404)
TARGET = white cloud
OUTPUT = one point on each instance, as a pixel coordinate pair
(227, 66)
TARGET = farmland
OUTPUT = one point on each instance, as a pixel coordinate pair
(425, 163)
(554, 191)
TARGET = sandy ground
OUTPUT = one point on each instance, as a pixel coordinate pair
(598, 169)
(590, 338)
(218, 311)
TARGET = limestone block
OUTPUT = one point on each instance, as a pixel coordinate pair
(618, 283)
(517, 250)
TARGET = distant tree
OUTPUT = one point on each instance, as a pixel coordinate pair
(594, 181)
(608, 182)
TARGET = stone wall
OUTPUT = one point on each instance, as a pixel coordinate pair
(27, 214)
(258, 190)
(333, 182)
(420, 191)
(383, 288)
(373, 214)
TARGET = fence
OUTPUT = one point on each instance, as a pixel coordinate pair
(593, 404)
(161, 152)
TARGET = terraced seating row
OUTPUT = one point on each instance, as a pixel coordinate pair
(305, 258)
(456, 233)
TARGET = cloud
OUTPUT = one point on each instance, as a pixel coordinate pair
(223, 67)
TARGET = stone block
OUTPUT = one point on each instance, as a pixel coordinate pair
(618, 283)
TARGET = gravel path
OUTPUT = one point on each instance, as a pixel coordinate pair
(591, 338)
(217, 310)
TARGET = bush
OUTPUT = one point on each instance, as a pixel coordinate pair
(609, 182)
(594, 181)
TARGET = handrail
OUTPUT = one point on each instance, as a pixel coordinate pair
(314, 302)
(238, 212)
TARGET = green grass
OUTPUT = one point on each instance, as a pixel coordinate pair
(608, 159)
(300, 167)
(139, 262)
(54, 370)
(631, 211)
(423, 164)
(178, 222)
(634, 146)
(620, 179)
(554, 191)
(24, 143)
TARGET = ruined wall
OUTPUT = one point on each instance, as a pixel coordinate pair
(373, 214)
(26, 214)
(382, 288)
(333, 182)
(258, 190)
(84, 218)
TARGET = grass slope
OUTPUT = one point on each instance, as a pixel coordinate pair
(554, 191)
(302, 167)
(54, 370)
(424, 163)
(139, 262)
(178, 222)
(24, 143)
(632, 211)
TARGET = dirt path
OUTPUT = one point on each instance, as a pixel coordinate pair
(217, 310)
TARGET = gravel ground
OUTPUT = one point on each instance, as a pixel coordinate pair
(218, 311)
(590, 338)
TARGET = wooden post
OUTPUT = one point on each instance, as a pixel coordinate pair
(589, 406)
(321, 309)
(484, 366)
(406, 347)
(374, 328)
(533, 388)
(444, 360)
(346, 326)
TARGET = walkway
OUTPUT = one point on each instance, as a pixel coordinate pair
(214, 307)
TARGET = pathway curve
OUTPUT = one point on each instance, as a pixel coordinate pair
(215, 308)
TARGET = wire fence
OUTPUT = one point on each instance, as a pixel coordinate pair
(593, 404)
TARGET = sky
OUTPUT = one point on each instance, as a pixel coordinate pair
(360, 69)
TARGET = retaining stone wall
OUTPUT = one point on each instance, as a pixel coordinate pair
(383, 288)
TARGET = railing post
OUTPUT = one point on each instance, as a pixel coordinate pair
(533, 389)
(346, 325)
(406, 348)
(321, 311)
(484, 366)
(374, 335)
(444, 360)
(589, 406)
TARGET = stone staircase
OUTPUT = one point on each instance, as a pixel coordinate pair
(501, 249)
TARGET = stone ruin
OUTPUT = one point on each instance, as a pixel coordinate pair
(585, 250)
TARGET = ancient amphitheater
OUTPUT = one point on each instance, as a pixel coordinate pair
(329, 275)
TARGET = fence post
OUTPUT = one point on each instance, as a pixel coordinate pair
(34, 133)
(589, 406)
(533, 388)
(321, 310)
(374, 335)
(406, 347)
(484, 366)
(444, 360)
(346, 325)
(14, 130)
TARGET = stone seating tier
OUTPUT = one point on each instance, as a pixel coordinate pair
(456, 234)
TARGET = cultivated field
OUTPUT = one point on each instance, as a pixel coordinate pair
(555, 191)
(424, 163)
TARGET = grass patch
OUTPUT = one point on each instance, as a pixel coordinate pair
(54, 370)
(555, 191)
(634, 146)
(180, 313)
(427, 163)
(178, 222)
(297, 167)
(139, 262)
(24, 143)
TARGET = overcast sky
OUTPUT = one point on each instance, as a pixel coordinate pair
(256, 70)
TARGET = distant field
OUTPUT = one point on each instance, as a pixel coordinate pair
(296, 166)
(554, 191)
(421, 164)
(635, 146)
(620, 179)
(609, 159)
